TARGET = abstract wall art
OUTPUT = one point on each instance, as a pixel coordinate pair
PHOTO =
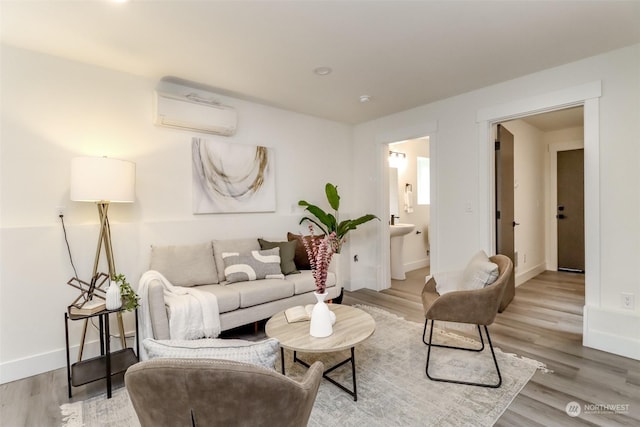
(232, 178)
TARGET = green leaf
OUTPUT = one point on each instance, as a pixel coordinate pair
(363, 219)
(331, 223)
(332, 196)
(320, 226)
(319, 213)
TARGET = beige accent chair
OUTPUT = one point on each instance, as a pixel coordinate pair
(509, 293)
(212, 392)
(478, 307)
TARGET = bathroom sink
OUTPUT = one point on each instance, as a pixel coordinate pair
(397, 233)
(401, 229)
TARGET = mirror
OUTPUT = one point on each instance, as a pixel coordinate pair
(394, 208)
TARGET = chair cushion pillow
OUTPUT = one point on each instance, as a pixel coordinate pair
(187, 265)
(253, 266)
(287, 254)
(480, 272)
(447, 281)
(261, 353)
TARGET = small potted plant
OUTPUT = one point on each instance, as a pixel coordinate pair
(130, 300)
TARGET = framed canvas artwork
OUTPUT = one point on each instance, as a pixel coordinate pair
(231, 178)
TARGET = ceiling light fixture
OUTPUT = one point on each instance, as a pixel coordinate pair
(397, 159)
(323, 71)
(365, 98)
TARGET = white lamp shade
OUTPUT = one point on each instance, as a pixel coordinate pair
(101, 179)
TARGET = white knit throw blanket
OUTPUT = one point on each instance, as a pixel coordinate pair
(192, 313)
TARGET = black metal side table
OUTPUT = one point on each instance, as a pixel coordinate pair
(108, 363)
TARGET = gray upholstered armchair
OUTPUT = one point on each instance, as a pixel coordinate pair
(211, 392)
(478, 307)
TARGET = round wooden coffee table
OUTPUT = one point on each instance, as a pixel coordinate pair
(351, 328)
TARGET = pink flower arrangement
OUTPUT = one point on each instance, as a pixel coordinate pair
(320, 252)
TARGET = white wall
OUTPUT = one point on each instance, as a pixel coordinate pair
(54, 110)
(460, 154)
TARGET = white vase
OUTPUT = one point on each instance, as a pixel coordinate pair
(113, 298)
(321, 325)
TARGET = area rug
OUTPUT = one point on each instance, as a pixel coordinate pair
(392, 386)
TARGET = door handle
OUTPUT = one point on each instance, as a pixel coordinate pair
(515, 223)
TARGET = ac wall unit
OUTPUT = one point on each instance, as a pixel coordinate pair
(191, 112)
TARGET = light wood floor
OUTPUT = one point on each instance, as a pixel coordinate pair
(544, 322)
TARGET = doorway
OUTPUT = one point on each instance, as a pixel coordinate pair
(538, 219)
(407, 164)
(538, 211)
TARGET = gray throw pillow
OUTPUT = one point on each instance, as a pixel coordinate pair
(287, 254)
(242, 246)
(186, 265)
(261, 353)
(253, 266)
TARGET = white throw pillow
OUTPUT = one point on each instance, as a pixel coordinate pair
(480, 272)
(448, 281)
(261, 353)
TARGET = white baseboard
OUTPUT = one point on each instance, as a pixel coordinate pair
(612, 330)
(45, 362)
(529, 274)
(414, 265)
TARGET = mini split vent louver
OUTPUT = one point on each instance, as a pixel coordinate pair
(191, 112)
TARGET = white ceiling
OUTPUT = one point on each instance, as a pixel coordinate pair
(401, 53)
(556, 120)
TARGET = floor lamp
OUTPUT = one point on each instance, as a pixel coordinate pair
(102, 180)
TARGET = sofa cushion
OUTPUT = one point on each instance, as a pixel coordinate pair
(235, 245)
(301, 258)
(287, 254)
(228, 298)
(263, 291)
(253, 266)
(480, 272)
(186, 265)
(304, 281)
(261, 353)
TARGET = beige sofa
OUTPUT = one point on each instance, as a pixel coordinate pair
(240, 301)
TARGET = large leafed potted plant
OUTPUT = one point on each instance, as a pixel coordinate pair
(331, 223)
